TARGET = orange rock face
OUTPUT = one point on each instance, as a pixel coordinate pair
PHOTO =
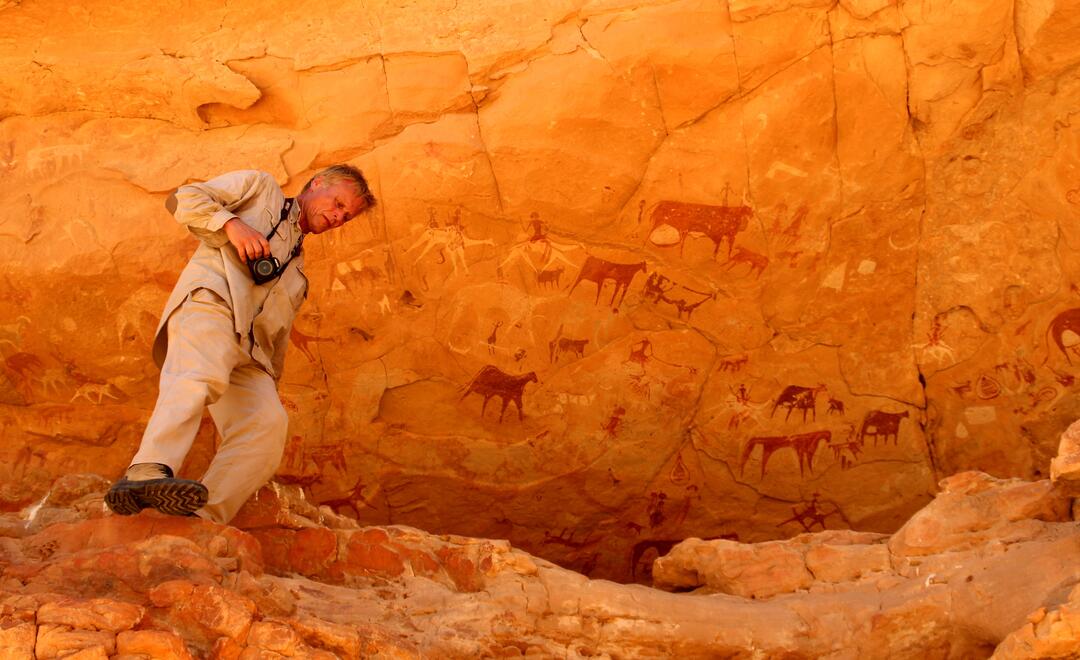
(640, 271)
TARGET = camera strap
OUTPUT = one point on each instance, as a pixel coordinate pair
(284, 214)
(285, 209)
(289, 201)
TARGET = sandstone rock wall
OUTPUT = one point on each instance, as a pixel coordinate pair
(746, 268)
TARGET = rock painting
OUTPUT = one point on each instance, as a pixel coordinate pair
(805, 445)
(492, 381)
(795, 397)
(565, 345)
(447, 243)
(659, 288)
(304, 341)
(808, 515)
(676, 220)
(599, 270)
(881, 424)
(1066, 322)
(539, 254)
(742, 256)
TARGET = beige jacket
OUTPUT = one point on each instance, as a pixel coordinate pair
(263, 313)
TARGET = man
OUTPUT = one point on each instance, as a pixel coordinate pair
(221, 341)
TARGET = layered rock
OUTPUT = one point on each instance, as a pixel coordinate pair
(986, 569)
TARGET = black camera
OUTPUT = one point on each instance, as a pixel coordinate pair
(264, 269)
(267, 268)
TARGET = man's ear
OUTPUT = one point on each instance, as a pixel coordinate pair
(170, 204)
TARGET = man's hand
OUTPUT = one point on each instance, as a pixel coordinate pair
(249, 243)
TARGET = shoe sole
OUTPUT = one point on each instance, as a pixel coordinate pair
(176, 497)
(122, 502)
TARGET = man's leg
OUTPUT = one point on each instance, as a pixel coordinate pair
(202, 352)
(253, 426)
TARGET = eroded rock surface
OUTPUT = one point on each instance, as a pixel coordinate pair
(987, 568)
(746, 268)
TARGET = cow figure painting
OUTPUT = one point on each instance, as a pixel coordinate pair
(600, 270)
(715, 222)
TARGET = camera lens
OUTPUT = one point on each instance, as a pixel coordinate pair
(264, 268)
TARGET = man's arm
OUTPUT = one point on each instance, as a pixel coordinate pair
(207, 211)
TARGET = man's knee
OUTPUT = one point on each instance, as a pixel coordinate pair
(277, 420)
(195, 389)
(275, 427)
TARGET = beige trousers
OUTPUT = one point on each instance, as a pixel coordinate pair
(207, 368)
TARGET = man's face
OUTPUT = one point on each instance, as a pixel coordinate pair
(328, 205)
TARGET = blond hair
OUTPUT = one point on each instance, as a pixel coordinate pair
(344, 172)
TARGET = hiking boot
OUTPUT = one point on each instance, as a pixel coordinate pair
(152, 486)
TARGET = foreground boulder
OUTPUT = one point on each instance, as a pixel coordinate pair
(957, 579)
